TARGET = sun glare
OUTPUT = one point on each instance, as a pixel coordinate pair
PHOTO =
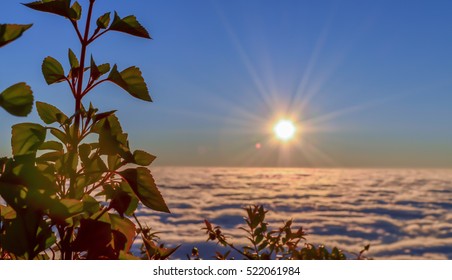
(284, 130)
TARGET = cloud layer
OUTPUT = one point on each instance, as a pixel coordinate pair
(403, 214)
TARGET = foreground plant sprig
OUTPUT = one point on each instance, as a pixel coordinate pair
(67, 197)
(265, 244)
(16, 99)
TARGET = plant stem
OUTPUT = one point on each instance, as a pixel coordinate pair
(84, 42)
(67, 252)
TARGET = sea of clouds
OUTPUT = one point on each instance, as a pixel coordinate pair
(402, 214)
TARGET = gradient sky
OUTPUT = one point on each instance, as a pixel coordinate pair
(369, 83)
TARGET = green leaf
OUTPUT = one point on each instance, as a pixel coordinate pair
(90, 204)
(58, 7)
(103, 115)
(50, 114)
(142, 183)
(134, 199)
(124, 226)
(7, 212)
(25, 185)
(51, 145)
(27, 235)
(103, 68)
(123, 200)
(27, 138)
(84, 151)
(10, 32)
(111, 138)
(73, 59)
(17, 99)
(120, 202)
(131, 81)
(52, 70)
(60, 135)
(129, 25)
(65, 208)
(126, 256)
(114, 161)
(50, 156)
(142, 158)
(95, 165)
(103, 21)
(77, 9)
(95, 73)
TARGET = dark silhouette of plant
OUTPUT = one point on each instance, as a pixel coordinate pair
(72, 197)
(150, 248)
(265, 244)
(16, 99)
(69, 197)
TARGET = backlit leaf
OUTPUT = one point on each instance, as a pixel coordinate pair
(50, 114)
(131, 81)
(10, 32)
(52, 70)
(126, 256)
(7, 212)
(65, 208)
(103, 115)
(114, 161)
(97, 71)
(124, 226)
(77, 9)
(95, 165)
(111, 138)
(60, 135)
(58, 7)
(142, 183)
(73, 59)
(27, 235)
(125, 187)
(142, 158)
(104, 68)
(27, 138)
(103, 21)
(17, 99)
(129, 25)
(51, 145)
(84, 151)
(120, 202)
(90, 204)
(50, 156)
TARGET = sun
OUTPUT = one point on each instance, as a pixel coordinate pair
(284, 130)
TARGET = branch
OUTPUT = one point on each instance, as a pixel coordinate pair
(90, 87)
(94, 37)
(71, 85)
(79, 35)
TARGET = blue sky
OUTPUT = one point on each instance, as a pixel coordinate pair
(368, 83)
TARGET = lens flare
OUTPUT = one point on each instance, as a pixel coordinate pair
(284, 130)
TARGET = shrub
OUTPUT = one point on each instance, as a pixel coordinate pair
(265, 243)
(67, 197)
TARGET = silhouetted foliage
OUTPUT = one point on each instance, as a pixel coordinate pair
(265, 244)
(67, 197)
(16, 99)
(71, 198)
